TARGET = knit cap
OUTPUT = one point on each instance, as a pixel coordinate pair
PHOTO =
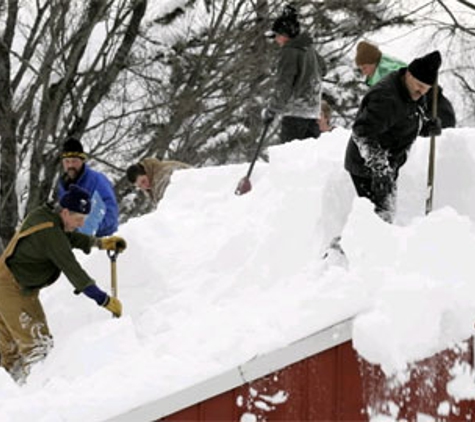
(425, 68)
(73, 148)
(287, 23)
(367, 53)
(76, 199)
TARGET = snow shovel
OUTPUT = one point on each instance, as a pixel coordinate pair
(431, 169)
(113, 257)
(244, 184)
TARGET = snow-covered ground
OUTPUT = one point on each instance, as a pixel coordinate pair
(211, 279)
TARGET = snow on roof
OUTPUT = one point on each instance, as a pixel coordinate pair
(210, 280)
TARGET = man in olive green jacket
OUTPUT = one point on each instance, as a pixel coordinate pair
(35, 258)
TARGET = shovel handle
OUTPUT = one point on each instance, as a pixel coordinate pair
(113, 257)
(431, 168)
(258, 149)
(244, 184)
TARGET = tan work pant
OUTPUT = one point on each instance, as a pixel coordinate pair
(24, 333)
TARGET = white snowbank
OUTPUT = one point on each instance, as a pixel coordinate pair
(211, 279)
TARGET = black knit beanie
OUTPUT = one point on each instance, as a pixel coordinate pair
(73, 148)
(425, 68)
(287, 23)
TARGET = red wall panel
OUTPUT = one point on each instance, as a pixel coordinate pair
(337, 385)
(322, 392)
(425, 390)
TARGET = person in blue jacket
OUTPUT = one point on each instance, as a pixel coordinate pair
(103, 219)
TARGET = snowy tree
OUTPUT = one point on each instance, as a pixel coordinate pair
(58, 61)
(451, 22)
(207, 69)
(191, 88)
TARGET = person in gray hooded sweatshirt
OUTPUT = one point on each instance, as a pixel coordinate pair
(297, 91)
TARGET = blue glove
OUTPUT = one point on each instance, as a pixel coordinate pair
(267, 116)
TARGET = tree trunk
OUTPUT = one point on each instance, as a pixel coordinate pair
(8, 152)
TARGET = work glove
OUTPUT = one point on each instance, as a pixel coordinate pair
(114, 306)
(267, 116)
(381, 172)
(112, 243)
(382, 184)
(433, 126)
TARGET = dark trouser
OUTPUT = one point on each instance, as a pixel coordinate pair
(298, 128)
(384, 199)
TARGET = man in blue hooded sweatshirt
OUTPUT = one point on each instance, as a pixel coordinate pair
(103, 219)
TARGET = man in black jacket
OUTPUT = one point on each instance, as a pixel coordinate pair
(390, 117)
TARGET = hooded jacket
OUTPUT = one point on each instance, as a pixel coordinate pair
(103, 219)
(159, 174)
(297, 90)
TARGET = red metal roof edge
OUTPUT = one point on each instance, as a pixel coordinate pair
(251, 370)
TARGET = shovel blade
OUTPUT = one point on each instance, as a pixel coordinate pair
(243, 186)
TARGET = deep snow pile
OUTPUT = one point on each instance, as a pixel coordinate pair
(211, 279)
